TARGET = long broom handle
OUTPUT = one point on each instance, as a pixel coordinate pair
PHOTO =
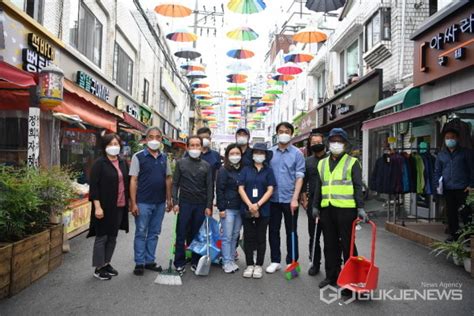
(207, 237)
(293, 237)
(173, 241)
(314, 239)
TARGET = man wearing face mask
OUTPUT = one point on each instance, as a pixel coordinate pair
(242, 138)
(150, 191)
(338, 200)
(288, 165)
(208, 154)
(455, 165)
(317, 151)
(192, 196)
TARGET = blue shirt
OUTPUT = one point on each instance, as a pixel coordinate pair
(247, 158)
(456, 168)
(288, 166)
(151, 173)
(214, 159)
(252, 179)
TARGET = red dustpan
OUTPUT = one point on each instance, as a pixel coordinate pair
(359, 274)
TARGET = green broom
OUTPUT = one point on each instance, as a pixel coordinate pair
(170, 276)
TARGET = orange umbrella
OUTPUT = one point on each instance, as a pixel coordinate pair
(310, 35)
(173, 10)
(201, 92)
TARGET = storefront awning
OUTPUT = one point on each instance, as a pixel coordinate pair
(16, 76)
(133, 122)
(299, 138)
(71, 87)
(407, 97)
(423, 110)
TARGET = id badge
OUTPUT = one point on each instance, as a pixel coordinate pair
(255, 193)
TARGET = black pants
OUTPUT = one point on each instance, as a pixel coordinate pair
(311, 228)
(454, 200)
(104, 245)
(337, 229)
(255, 233)
(277, 212)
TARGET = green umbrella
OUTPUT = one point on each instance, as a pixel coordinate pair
(236, 88)
(273, 91)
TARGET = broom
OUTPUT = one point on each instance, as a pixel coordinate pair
(170, 276)
(294, 268)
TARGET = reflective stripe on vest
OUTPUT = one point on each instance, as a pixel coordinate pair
(337, 188)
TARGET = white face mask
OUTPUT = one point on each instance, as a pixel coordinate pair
(153, 144)
(234, 159)
(242, 140)
(284, 138)
(194, 153)
(259, 158)
(112, 150)
(206, 143)
(336, 148)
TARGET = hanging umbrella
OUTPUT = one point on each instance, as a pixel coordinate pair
(268, 96)
(246, 6)
(201, 92)
(263, 110)
(240, 53)
(273, 91)
(298, 57)
(234, 105)
(193, 67)
(196, 75)
(310, 35)
(290, 69)
(203, 97)
(239, 66)
(188, 53)
(205, 102)
(324, 5)
(182, 36)
(237, 76)
(260, 104)
(236, 88)
(234, 112)
(208, 112)
(283, 77)
(276, 82)
(173, 10)
(235, 98)
(242, 34)
(199, 84)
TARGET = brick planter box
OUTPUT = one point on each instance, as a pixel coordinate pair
(27, 260)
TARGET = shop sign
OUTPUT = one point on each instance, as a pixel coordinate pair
(443, 49)
(93, 86)
(308, 122)
(133, 110)
(145, 116)
(38, 55)
(77, 216)
(33, 137)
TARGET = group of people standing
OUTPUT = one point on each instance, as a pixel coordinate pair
(256, 188)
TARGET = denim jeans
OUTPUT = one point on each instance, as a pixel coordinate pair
(190, 218)
(147, 230)
(231, 225)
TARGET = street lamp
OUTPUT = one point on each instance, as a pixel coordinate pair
(50, 86)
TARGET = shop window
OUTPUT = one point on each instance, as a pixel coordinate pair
(146, 91)
(33, 8)
(378, 28)
(123, 69)
(352, 60)
(85, 33)
(13, 137)
(320, 88)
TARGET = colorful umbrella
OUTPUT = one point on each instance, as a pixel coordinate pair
(205, 102)
(234, 112)
(298, 57)
(193, 67)
(235, 98)
(283, 77)
(263, 109)
(290, 69)
(236, 88)
(324, 5)
(201, 92)
(173, 10)
(239, 66)
(243, 34)
(182, 36)
(240, 53)
(273, 91)
(236, 78)
(208, 112)
(196, 75)
(310, 35)
(246, 6)
(266, 103)
(276, 82)
(268, 96)
(188, 53)
(234, 105)
(199, 84)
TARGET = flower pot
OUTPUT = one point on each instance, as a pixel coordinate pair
(457, 261)
(467, 264)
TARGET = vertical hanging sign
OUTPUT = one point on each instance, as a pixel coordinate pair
(33, 137)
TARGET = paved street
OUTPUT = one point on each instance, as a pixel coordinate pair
(71, 289)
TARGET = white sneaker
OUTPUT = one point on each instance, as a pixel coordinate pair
(257, 272)
(248, 273)
(235, 267)
(273, 267)
(228, 268)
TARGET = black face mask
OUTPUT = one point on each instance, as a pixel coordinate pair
(318, 148)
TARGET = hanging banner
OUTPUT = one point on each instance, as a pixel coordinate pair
(33, 137)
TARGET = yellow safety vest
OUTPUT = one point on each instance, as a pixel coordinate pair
(337, 188)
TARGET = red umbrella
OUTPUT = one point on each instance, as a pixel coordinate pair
(290, 69)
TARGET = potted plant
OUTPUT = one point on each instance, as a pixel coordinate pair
(467, 233)
(456, 250)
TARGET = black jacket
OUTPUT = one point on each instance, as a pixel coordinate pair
(227, 194)
(192, 182)
(104, 188)
(311, 175)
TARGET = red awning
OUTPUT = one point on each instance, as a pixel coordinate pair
(13, 97)
(133, 122)
(422, 110)
(16, 76)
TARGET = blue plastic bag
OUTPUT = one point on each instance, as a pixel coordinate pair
(198, 245)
